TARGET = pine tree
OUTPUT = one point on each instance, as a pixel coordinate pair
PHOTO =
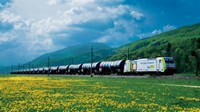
(168, 50)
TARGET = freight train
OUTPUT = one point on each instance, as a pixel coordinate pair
(158, 66)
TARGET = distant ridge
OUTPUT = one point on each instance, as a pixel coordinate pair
(73, 54)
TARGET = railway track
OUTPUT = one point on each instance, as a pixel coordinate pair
(128, 76)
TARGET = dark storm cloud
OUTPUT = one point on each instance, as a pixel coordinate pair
(175, 12)
(75, 36)
(97, 25)
(8, 45)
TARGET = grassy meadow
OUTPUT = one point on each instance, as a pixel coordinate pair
(97, 94)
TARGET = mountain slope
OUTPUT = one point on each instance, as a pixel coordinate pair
(178, 43)
(73, 54)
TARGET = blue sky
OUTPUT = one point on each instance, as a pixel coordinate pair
(29, 29)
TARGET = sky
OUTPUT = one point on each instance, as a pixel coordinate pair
(30, 28)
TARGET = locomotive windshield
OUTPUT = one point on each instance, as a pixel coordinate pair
(169, 60)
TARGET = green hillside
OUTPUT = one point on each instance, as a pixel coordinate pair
(74, 54)
(178, 43)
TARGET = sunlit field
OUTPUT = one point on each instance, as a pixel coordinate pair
(64, 93)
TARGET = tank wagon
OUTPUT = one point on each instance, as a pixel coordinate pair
(26, 71)
(104, 68)
(74, 69)
(112, 67)
(117, 67)
(30, 71)
(53, 70)
(34, 71)
(95, 68)
(39, 70)
(45, 70)
(159, 65)
(61, 70)
(85, 69)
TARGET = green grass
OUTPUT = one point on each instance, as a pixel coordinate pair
(58, 93)
(6, 75)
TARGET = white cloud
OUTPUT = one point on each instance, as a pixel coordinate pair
(137, 15)
(35, 21)
(168, 28)
(157, 31)
(36, 44)
(103, 39)
(22, 38)
(73, 2)
(8, 17)
(119, 34)
(14, 20)
(4, 37)
(52, 2)
(78, 15)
